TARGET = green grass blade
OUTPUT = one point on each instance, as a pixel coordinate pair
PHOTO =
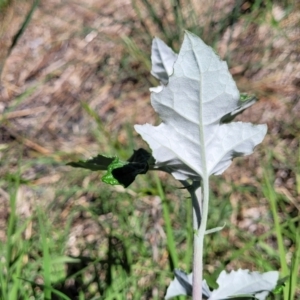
(4, 3)
(102, 135)
(10, 246)
(46, 255)
(189, 232)
(157, 19)
(271, 195)
(169, 230)
(295, 265)
(17, 283)
(141, 19)
(24, 25)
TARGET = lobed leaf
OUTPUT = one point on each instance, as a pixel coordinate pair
(163, 59)
(182, 285)
(192, 141)
(241, 284)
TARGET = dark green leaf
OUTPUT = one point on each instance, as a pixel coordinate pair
(244, 102)
(96, 163)
(137, 164)
(118, 172)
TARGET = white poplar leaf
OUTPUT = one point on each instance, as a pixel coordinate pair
(192, 142)
(182, 285)
(242, 282)
(163, 59)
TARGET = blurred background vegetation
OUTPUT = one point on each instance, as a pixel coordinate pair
(74, 79)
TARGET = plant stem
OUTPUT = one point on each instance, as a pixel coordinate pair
(200, 212)
(199, 228)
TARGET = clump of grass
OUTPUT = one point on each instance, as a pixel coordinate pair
(4, 4)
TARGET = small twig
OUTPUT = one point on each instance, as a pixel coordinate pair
(28, 143)
(21, 113)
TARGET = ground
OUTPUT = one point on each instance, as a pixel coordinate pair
(78, 78)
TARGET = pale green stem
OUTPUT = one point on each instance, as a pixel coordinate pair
(199, 238)
(200, 213)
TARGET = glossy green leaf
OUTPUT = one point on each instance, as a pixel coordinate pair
(109, 177)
